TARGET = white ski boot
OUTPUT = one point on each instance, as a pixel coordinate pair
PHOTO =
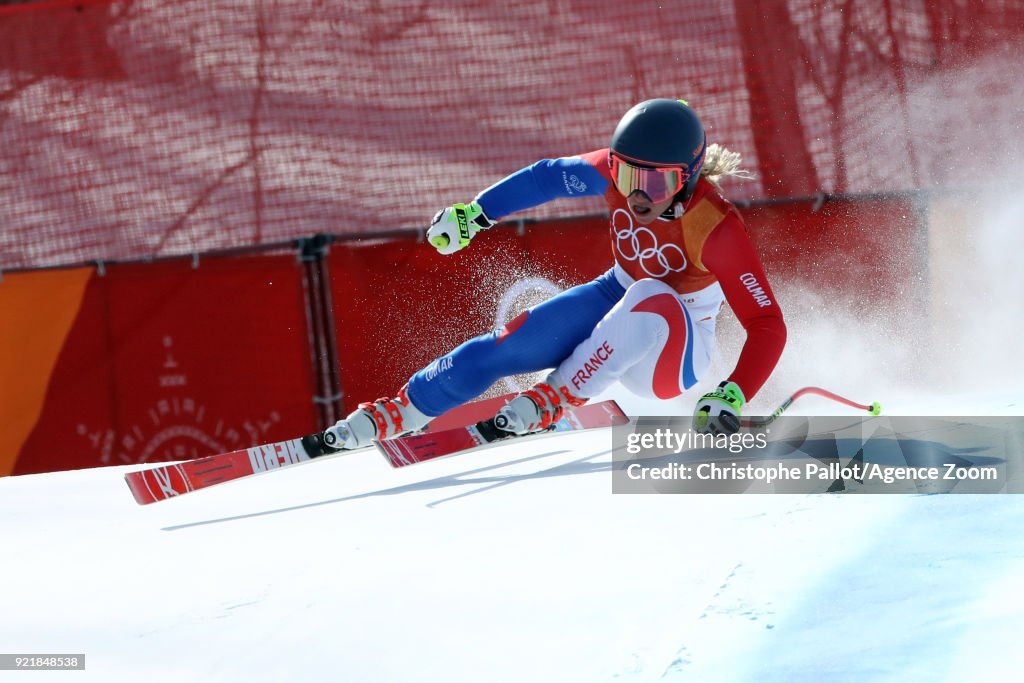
(382, 419)
(537, 409)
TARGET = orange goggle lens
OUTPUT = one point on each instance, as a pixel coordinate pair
(658, 184)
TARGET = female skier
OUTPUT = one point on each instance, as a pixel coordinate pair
(680, 249)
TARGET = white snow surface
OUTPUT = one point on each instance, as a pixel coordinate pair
(513, 564)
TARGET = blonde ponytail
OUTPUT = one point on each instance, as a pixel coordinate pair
(719, 163)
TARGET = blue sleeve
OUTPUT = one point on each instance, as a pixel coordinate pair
(541, 182)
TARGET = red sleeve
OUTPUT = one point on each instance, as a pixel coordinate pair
(599, 160)
(730, 255)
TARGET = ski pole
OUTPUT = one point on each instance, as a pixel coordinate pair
(761, 422)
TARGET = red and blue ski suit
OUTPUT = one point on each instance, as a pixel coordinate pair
(704, 256)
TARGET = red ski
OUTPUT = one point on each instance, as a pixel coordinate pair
(414, 448)
(170, 481)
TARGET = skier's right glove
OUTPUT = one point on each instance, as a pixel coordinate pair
(453, 228)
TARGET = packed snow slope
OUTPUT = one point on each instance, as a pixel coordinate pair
(514, 564)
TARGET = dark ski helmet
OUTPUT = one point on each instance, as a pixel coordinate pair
(657, 134)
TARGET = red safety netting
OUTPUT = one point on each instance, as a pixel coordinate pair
(134, 128)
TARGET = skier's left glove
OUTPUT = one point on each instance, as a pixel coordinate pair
(453, 228)
(718, 412)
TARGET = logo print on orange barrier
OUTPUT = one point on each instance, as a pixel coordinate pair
(641, 245)
(179, 427)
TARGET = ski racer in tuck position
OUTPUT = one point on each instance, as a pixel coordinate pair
(681, 250)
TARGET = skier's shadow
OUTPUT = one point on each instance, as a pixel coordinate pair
(488, 483)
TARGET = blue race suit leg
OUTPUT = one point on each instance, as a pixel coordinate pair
(539, 339)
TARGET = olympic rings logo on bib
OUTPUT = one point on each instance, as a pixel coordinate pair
(641, 245)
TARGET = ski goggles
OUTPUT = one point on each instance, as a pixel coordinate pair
(658, 183)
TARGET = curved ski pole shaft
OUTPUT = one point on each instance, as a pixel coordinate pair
(762, 422)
